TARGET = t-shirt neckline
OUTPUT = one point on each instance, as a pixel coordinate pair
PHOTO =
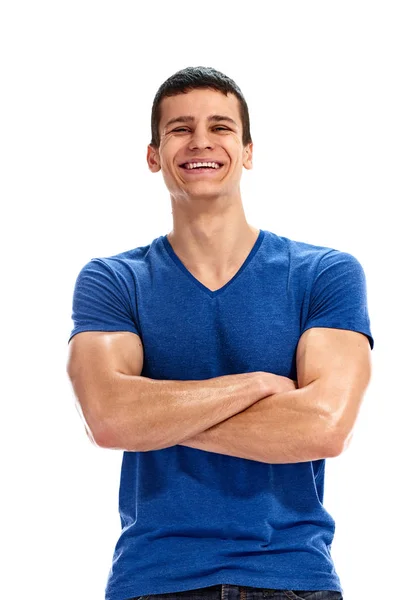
(201, 286)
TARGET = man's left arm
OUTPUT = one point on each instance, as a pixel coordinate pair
(314, 421)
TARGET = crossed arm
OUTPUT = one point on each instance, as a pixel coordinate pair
(312, 420)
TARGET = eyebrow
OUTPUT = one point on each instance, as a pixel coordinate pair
(190, 119)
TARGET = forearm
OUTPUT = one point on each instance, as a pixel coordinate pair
(286, 427)
(150, 414)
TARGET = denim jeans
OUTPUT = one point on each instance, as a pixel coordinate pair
(235, 592)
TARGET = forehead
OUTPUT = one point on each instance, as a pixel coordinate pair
(199, 103)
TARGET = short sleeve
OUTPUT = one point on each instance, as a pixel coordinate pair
(338, 296)
(99, 303)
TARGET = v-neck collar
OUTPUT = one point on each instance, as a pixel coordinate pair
(184, 269)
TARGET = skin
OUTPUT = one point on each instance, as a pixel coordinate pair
(210, 232)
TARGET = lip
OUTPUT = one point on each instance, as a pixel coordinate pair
(198, 159)
(203, 172)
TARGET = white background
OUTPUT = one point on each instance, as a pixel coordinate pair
(332, 93)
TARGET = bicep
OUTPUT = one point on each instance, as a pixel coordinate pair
(340, 361)
(95, 361)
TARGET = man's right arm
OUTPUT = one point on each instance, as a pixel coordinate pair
(126, 411)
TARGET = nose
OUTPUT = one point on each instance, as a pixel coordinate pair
(200, 139)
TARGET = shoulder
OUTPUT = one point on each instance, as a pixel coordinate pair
(123, 264)
(307, 256)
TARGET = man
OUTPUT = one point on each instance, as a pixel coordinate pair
(228, 362)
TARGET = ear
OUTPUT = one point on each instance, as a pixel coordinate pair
(248, 156)
(153, 158)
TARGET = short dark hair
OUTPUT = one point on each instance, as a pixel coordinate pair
(189, 79)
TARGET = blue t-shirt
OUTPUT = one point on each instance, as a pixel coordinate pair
(191, 518)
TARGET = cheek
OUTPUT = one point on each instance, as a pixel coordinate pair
(234, 148)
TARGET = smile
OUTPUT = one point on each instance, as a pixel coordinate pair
(207, 171)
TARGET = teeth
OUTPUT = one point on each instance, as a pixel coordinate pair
(202, 164)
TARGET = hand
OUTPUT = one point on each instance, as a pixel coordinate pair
(277, 384)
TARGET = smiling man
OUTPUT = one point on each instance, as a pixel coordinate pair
(228, 362)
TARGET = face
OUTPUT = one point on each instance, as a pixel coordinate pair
(200, 137)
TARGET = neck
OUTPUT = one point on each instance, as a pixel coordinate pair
(212, 246)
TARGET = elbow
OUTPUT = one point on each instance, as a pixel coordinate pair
(95, 425)
(103, 429)
(329, 443)
(341, 444)
(339, 435)
(110, 428)
(96, 429)
(117, 435)
(106, 434)
(103, 437)
(335, 445)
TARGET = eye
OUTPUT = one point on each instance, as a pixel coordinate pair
(185, 129)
